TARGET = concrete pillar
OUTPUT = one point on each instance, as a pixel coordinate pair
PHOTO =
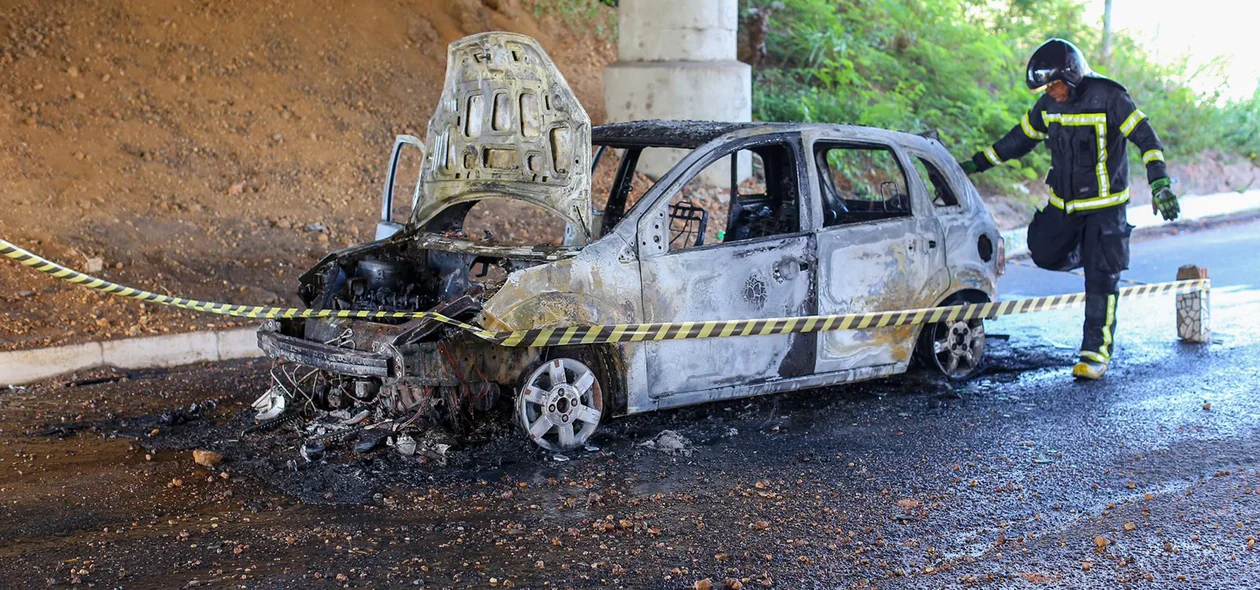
(676, 60)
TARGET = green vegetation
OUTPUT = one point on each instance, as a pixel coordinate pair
(597, 16)
(956, 66)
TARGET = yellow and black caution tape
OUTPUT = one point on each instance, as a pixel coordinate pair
(824, 323)
(41, 264)
(576, 335)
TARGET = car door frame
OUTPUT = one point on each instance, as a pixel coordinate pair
(963, 226)
(923, 235)
(652, 237)
(388, 226)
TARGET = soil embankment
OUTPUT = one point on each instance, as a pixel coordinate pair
(215, 150)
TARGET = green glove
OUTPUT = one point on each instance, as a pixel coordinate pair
(968, 167)
(1163, 200)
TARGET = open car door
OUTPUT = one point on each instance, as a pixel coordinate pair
(407, 157)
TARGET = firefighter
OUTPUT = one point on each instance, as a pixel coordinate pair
(1087, 121)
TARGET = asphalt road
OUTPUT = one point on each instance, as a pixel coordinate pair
(1019, 478)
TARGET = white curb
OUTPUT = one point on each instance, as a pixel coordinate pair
(24, 366)
(1193, 208)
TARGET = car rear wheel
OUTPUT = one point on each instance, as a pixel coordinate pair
(956, 349)
(560, 404)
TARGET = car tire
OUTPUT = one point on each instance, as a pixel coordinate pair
(953, 349)
(561, 402)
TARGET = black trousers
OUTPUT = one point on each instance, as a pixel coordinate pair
(1097, 241)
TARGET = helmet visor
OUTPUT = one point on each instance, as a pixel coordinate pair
(1056, 59)
(1043, 76)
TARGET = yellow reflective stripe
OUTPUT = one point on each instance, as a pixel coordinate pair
(1032, 133)
(1093, 356)
(1089, 204)
(1111, 317)
(1152, 156)
(1098, 202)
(992, 156)
(1104, 178)
(1079, 120)
(1099, 122)
(1055, 200)
(1096, 120)
(1132, 122)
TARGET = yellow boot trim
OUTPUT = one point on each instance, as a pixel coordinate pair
(1084, 370)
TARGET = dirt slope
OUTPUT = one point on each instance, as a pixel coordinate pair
(199, 145)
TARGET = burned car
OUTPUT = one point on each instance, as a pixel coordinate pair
(812, 220)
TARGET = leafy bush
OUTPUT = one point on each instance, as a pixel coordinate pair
(956, 66)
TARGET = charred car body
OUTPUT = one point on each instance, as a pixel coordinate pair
(818, 219)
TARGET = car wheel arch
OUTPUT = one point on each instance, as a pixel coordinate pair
(964, 295)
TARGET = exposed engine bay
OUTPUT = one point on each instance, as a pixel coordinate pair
(345, 377)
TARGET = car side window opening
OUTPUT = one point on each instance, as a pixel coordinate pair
(616, 184)
(932, 177)
(713, 207)
(860, 183)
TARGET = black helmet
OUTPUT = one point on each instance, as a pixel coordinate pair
(1056, 59)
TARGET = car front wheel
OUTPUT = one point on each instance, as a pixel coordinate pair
(956, 349)
(560, 404)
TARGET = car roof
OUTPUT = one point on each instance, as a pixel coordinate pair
(693, 134)
(672, 134)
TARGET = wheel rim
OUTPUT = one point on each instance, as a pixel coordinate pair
(958, 347)
(560, 405)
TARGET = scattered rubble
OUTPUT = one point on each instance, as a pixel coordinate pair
(434, 445)
(669, 442)
(312, 451)
(206, 458)
(404, 444)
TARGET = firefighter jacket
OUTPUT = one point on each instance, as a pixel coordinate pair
(1087, 137)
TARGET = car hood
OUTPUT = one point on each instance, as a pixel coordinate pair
(507, 126)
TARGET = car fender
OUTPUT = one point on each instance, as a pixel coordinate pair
(970, 285)
(599, 286)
